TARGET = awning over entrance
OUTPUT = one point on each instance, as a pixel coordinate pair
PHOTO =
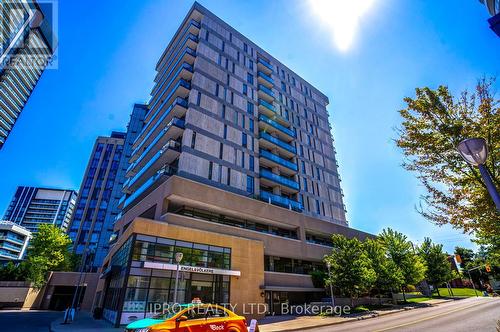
(194, 269)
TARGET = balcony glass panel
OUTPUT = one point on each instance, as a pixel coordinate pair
(279, 179)
(278, 142)
(265, 63)
(266, 90)
(278, 159)
(276, 125)
(266, 104)
(265, 77)
(280, 201)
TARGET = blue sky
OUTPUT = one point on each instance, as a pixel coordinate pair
(108, 50)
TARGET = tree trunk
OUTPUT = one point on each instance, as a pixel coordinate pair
(404, 295)
(437, 288)
(379, 297)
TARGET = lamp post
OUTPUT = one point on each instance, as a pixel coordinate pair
(178, 259)
(328, 266)
(475, 152)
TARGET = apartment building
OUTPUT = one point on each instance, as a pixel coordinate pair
(14, 240)
(101, 188)
(27, 43)
(32, 206)
(235, 168)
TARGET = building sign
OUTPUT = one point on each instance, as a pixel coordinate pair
(194, 269)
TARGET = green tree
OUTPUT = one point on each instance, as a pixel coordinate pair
(49, 250)
(402, 253)
(12, 272)
(388, 276)
(351, 270)
(434, 122)
(438, 268)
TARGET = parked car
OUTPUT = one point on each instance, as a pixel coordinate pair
(193, 318)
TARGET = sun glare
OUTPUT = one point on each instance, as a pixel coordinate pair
(341, 18)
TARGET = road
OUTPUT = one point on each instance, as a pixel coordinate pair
(24, 321)
(472, 314)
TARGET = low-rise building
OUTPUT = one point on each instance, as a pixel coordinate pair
(14, 240)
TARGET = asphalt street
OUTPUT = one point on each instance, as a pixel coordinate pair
(472, 314)
(27, 321)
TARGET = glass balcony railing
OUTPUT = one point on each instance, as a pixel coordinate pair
(278, 142)
(11, 238)
(178, 101)
(265, 77)
(264, 173)
(278, 160)
(267, 105)
(266, 90)
(166, 73)
(281, 201)
(276, 125)
(265, 64)
(167, 170)
(164, 87)
(10, 246)
(169, 54)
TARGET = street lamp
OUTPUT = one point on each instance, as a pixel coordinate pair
(475, 152)
(328, 266)
(178, 259)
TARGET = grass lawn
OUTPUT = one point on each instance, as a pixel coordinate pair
(418, 299)
(458, 292)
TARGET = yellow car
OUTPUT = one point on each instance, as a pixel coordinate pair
(193, 318)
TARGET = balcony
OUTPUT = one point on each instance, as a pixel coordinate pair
(266, 108)
(264, 66)
(269, 178)
(270, 126)
(166, 155)
(188, 55)
(265, 79)
(269, 142)
(148, 186)
(281, 201)
(170, 132)
(177, 109)
(271, 160)
(265, 93)
(188, 36)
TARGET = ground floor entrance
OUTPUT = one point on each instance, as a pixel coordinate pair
(278, 301)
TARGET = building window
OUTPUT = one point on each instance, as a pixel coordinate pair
(198, 99)
(250, 78)
(303, 166)
(225, 131)
(250, 125)
(245, 89)
(317, 207)
(223, 46)
(217, 89)
(251, 163)
(220, 150)
(305, 184)
(243, 160)
(223, 112)
(228, 176)
(250, 64)
(207, 34)
(210, 170)
(244, 140)
(249, 107)
(250, 184)
(245, 47)
(193, 140)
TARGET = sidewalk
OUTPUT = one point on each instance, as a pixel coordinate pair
(83, 323)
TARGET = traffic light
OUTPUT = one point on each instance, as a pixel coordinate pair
(488, 268)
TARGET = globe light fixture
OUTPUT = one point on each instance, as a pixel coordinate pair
(475, 152)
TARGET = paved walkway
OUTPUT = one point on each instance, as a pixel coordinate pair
(83, 323)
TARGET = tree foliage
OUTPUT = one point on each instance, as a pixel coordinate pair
(388, 276)
(438, 268)
(402, 253)
(434, 122)
(466, 255)
(351, 270)
(48, 251)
